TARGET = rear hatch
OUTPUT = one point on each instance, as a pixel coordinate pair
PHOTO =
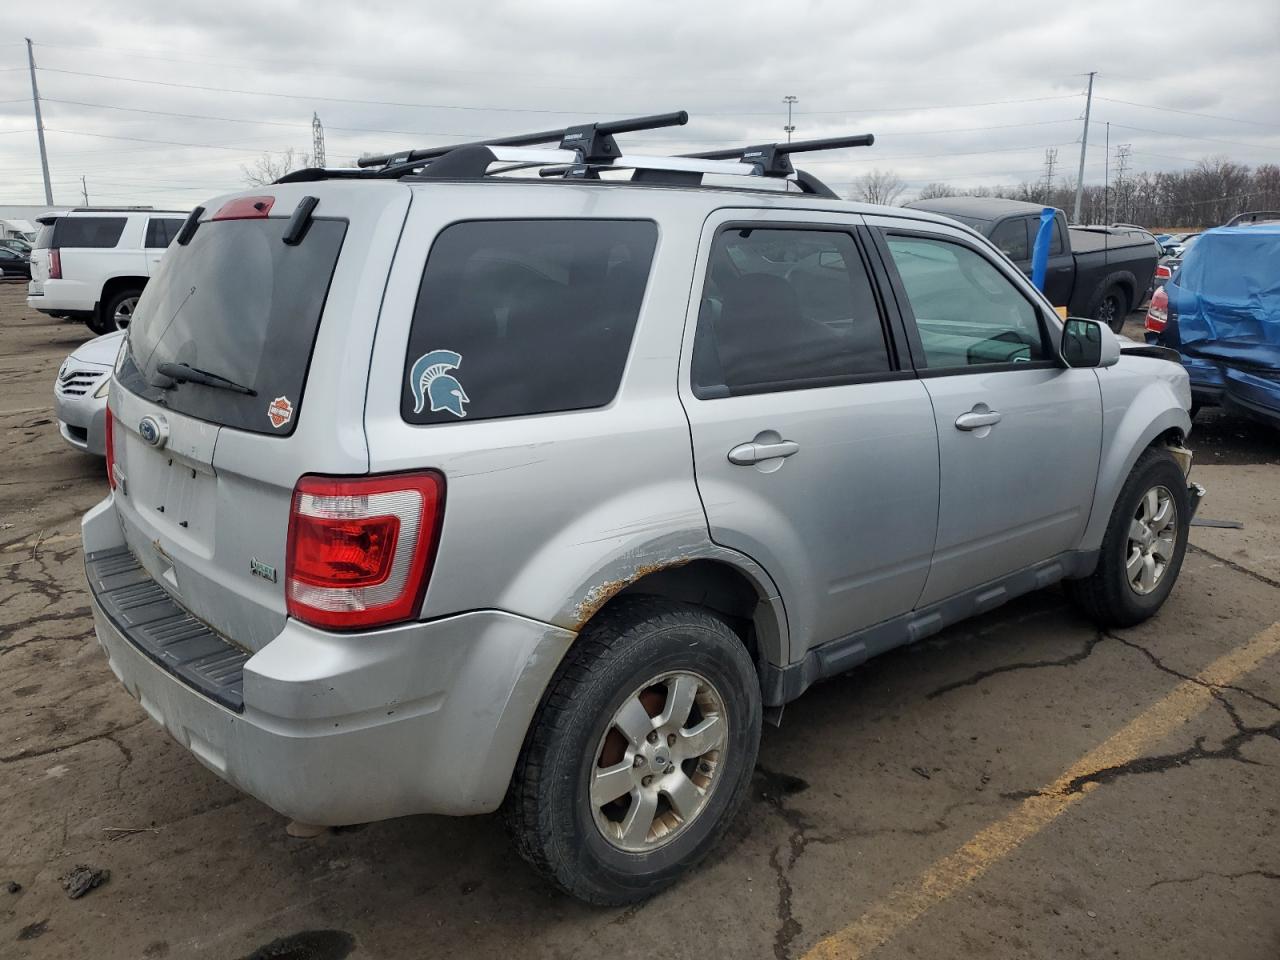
(205, 472)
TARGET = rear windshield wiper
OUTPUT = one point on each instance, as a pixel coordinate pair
(185, 373)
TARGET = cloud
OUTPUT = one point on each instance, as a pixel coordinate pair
(962, 92)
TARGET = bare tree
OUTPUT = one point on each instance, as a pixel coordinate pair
(879, 186)
(270, 167)
(931, 191)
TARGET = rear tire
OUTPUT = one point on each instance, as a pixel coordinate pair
(1112, 308)
(639, 664)
(1137, 570)
(117, 312)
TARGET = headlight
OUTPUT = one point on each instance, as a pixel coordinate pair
(106, 385)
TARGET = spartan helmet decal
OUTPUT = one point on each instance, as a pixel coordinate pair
(431, 381)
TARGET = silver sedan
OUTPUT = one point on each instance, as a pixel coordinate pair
(80, 393)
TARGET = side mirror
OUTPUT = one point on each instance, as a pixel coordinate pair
(1089, 343)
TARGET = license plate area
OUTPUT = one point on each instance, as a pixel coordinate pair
(172, 494)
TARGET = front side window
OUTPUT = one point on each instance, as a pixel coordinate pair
(967, 312)
(784, 309)
(1055, 244)
(516, 317)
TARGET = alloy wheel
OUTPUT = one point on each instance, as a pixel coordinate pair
(1153, 535)
(124, 313)
(658, 761)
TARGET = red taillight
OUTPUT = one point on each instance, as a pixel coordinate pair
(1163, 272)
(360, 549)
(1158, 311)
(245, 208)
(111, 448)
(55, 265)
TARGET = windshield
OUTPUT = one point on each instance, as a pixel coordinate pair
(238, 303)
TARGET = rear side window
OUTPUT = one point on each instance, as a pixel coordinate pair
(784, 310)
(1011, 238)
(160, 233)
(516, 317)
(967, 312)
(239, 303)
(87, 231)
(44, 236)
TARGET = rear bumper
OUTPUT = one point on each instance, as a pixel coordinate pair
(337, 729)
(63, 296)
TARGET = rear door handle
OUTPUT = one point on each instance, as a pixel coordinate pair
(975, 419)
(745, 454)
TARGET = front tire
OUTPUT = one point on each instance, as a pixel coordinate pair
(1143, 548)
(640, 754)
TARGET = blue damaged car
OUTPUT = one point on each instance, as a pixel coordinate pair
(1221, 311)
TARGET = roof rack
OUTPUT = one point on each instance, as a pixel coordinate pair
(584, 150)
(1253, 216)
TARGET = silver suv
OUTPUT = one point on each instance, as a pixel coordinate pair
(440, 491)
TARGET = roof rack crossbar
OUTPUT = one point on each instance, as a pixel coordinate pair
(771, 159)
(593, 141)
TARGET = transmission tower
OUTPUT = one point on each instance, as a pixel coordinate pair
(1122, 180)
(1050, 161)
(317, 141)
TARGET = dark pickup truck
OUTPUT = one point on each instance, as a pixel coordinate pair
(1098, 272)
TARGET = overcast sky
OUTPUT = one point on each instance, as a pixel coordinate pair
(163, 101)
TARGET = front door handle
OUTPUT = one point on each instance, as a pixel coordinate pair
(976, 419)
(745, 454)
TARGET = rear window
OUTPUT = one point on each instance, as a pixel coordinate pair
(161, 232)
(239, 303)
(87, 231)
(517, 317)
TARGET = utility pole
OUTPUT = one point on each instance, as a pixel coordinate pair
(790, 127)
(317, 141)
(84, 189)
(1106, 176)
(1050, 161)
(35, 102)
(1084, 145)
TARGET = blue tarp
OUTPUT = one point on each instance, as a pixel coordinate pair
(1228, 289)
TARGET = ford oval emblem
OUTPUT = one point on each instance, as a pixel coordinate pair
(153, 430)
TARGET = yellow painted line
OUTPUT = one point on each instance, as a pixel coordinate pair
(907, 902)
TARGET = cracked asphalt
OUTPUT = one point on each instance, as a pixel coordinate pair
(874, 780)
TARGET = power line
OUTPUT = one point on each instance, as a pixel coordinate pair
(1189, 113)
(1188, 136)
(447, 106)
(171, 143)
(308, 96)
(473, 136)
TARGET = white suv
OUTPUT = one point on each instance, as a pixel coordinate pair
(91, 263)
